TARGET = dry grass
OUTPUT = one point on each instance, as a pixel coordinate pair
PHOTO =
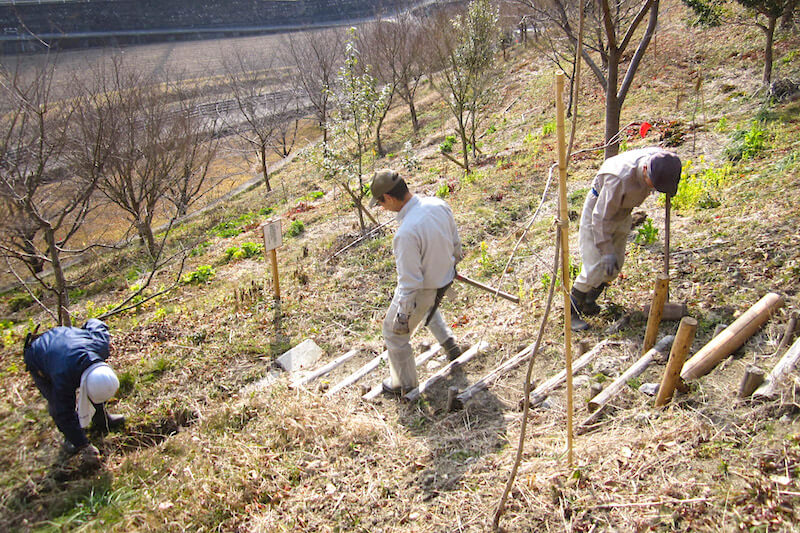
(202, 452)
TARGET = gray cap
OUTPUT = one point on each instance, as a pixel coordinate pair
(382, 182)
(664, 170)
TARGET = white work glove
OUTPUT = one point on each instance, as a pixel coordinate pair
(400, 324)
(609, 264)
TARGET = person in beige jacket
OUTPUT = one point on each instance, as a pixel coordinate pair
(622, 183)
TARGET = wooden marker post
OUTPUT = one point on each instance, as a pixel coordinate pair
(677, 355)
(563, 225)
(272, 241)
(660, 293)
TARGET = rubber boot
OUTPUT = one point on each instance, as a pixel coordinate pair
(576, 323)
(451, 349)
(590, 307)
(104, 421)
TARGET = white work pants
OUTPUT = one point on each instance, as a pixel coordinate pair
(592, 274)
(402, 370)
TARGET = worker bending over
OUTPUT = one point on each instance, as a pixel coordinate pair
(66, 362)
(622, 183)
(426, 249)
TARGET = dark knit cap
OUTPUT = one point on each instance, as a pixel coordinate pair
(664, 170)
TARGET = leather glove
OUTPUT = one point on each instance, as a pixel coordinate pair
(609, 264)
(90, 455)
(400, 324)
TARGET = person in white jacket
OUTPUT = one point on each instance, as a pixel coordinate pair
(426, 249)
(622, 183)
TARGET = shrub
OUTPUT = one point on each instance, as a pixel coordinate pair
(747, 143)
(295, 228)
(203, 274)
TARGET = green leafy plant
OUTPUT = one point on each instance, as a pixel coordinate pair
(203, 274)
(549, 128)
(646, 234)
(19, 301)
(200, 249)
(747, 143)
(447, 146)
(295, 228)
(701, 189)
(443, 191)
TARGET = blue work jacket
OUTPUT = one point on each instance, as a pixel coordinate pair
(56, 360)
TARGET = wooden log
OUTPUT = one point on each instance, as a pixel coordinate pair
(660, 291)
(541, 392)
(358, 374)
(420, 360)
(677, 355)
(452, 401)
(600, 401)
(324, 369)
(732, 337)
(789, 360)
(753, 377)
(445, 370)
(490, 378)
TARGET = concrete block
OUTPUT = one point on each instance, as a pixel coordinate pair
(301, 356)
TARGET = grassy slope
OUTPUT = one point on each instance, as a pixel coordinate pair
(203, 453)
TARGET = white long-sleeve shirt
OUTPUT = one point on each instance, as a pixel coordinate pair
(426, 248)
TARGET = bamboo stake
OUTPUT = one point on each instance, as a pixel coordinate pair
(677, 355)
(732, 337)
(541, 392)
(324, 369)
(273, 255)
(660, 292)
(563, 224)
(781, 370)
(484, 382)
(597, 403)
(752, 379)
(444, 371)
(358, 374)
(421, 359)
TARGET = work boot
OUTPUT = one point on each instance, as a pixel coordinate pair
(590, 307)
(393, 392)
(451, 349)
(104, 421)
(576, 323)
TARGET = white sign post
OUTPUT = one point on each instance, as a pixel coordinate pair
(273, 240)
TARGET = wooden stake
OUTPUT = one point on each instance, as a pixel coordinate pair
(660, 292)
(677, 355)
(274, 258)
(452, 401)
(753, 377)
(485, 381)
(732, 337)
(597, 403)
(563, 225)
(785, 365)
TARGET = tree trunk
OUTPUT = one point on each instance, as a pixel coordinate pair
(464, 142)
(62, 294)
(264, 169)
(146, 234)
(769, 33)
(612, 105)
(412, 109)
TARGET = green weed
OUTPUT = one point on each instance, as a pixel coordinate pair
(701, 189)
(245, 251)
(447, 146)
(747, 143)
(646, 234)
(85, 510)
(295, 228)
(200, 249)
(443, 191)
(203, 274)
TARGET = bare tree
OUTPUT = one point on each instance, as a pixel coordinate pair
(146, 152)
(196, 149)
(259, 107)
(614, 29)
(314, 58)
(463, 70)
(45, 193)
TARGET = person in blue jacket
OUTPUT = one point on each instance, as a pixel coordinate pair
(68, 367)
